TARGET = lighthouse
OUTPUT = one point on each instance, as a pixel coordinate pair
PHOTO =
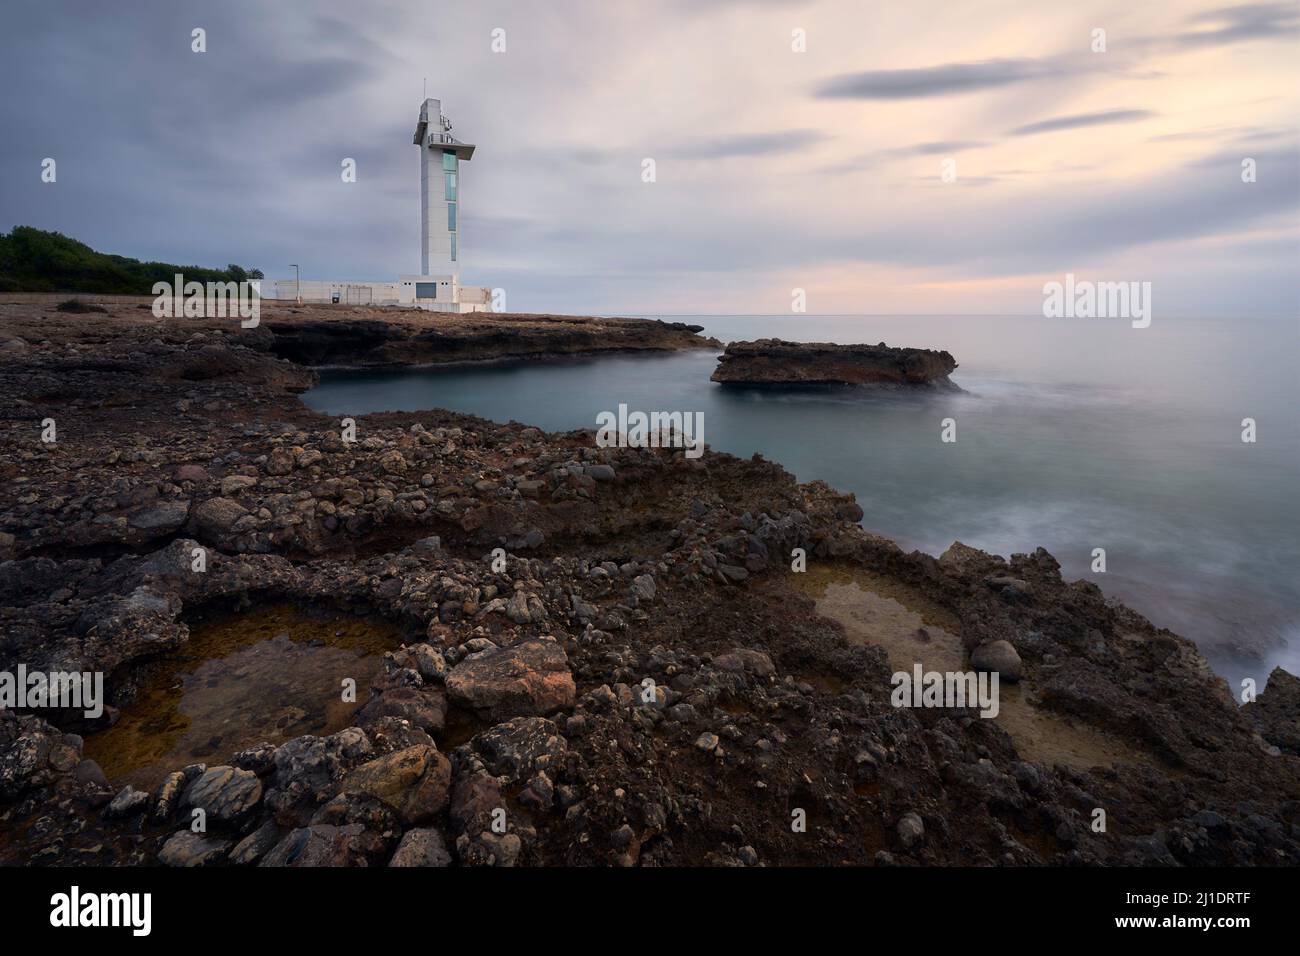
(441, 155)
(437, 288)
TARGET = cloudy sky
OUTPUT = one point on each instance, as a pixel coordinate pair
(775, 169)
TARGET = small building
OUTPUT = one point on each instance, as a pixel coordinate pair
(438, 287)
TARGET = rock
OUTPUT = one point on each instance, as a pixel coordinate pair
(643, 586)
(279, 462)
(254, 846)
(225, 794)
(218, 515)
(911, 830)
(707, 742)
(232, 485)
(474, 801)
(733, 573)
(424, 707)
(430, 545)
(324, 844)
(187, 848)
(127, 803)
(429, 662)
(414, 782)
(421, 847)
(307, 765)
(517, 608)
(530, 679)
(1275, 712)
(776, 362)
(489, 849)
(90, 773)
(393, 463)
(600, 472)
(999, 656)
(308, 457)
(743, 659)
(162, 518)
(260, 759)
(520, 747)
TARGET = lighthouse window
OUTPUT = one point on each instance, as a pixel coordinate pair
(451, 216)
(453, 247)
(450, 181)
(449, 160)
(426, 290)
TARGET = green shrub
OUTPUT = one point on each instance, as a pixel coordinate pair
(33, 260)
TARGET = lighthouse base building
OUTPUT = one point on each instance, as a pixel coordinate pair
(438, 287)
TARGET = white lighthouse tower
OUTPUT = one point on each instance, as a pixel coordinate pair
(441, 154)
(437, 288)
(440, 157)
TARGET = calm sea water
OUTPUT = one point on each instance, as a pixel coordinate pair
(1072, 434)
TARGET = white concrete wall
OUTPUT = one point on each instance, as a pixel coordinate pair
(349, 293)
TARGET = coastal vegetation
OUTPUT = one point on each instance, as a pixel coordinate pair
(35, 260)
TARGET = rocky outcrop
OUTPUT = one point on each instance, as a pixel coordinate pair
(777, 362)
(1276, 712)
(391, 337)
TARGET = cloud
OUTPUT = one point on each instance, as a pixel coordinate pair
(1080, 119)
(234, 155)
(749, 144)
(943, 80)
(1252, 21)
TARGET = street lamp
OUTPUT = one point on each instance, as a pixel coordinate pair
(297, 293)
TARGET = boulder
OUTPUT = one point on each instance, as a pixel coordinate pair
(530, 679)
(218, 515)
(999, 656)
(225, 794)
(520, 747)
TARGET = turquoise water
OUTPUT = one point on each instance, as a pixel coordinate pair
(1072, 434)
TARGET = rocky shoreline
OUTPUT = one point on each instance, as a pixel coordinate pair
(389, 338)
(774, 362)
(644, 680)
